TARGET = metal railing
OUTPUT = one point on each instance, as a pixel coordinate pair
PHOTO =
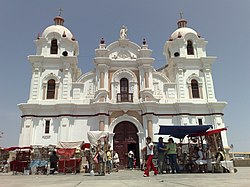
(124, 97)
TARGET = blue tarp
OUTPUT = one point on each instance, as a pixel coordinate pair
(182, 131)
(38, 163)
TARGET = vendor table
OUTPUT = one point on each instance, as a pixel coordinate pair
(71, 165)
(18, 166)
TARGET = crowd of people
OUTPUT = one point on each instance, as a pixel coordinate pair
(197, 159)
(102, 159)
(167, 155)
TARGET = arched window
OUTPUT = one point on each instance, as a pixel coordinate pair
(54, 47)
(124, 85)
(190, 48)
(124, 95)
(51, 86)
(195, 89)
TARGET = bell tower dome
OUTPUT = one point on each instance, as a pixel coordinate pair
(188, 64)
(57, 40)
(184, 42)
(55, 64)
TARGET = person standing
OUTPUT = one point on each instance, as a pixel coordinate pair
(116, 161)
(209, 159)
(161, 155)
(109, 160)
(172, 155)
(150, 153)
(131, 159)
(53, 162)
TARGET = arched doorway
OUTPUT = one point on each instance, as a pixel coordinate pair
(126, 139)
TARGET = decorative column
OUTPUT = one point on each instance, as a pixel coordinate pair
(56, 90)
(44, 90)
(149, 118)
(150, 128)
(146, 80)
(141, 144)
(190, 91)
(200, 91)
(101, 123)
(114, 89)
(102, 80)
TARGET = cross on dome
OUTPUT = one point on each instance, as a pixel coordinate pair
(182, 22)
(60, 11)
(181, 15)
(58, 19)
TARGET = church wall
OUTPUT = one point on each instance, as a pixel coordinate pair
(201, 51)
(26, 132)
(79, 129)
(161, 121)
(37, 139)
(65, 46)
(61, 129)
(88, 91)
(136, 115)
(93, 123)
(115, 115)
(41, 136)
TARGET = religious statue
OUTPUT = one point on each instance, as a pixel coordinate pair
(123, 32)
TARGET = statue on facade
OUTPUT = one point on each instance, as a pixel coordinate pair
(123, 32)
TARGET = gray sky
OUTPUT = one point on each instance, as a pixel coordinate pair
(225, 24)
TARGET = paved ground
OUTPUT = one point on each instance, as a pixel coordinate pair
(127, 178)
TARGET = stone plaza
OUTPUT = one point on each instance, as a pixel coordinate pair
(127, 178)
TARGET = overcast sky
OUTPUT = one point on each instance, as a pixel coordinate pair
(225, 24)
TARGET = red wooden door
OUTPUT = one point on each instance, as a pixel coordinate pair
(126, 138)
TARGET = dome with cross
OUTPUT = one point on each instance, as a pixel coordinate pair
(58, 28)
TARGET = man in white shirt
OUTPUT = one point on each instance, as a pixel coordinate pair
(150, 153)
(116, 161)
(131, 159)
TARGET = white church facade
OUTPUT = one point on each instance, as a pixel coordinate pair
(124, 94)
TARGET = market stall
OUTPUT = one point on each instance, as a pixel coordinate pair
(4, 156)
(22, 160)
(186, 150)
(40, 159)
(217, 156)
(69, 157)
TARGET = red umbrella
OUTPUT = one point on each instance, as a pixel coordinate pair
(207, 133)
